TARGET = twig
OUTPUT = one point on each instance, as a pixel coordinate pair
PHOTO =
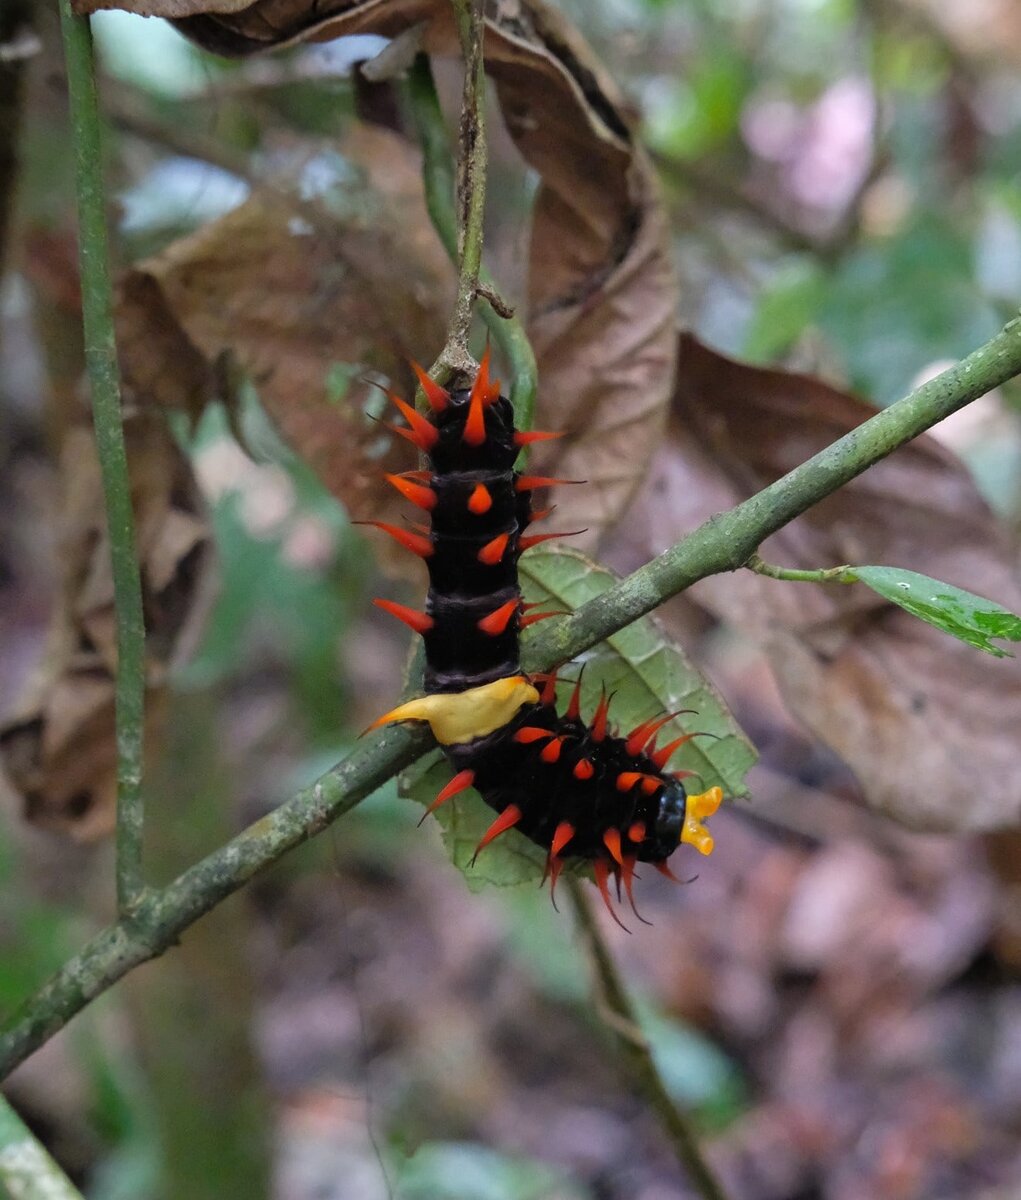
(471, 168)
(121, 105)
(455, 359)
(27, 1171)
(637, 1053)
(104, 382)
(724, 543)
(844, 574)
(492, 297)
(508, 332)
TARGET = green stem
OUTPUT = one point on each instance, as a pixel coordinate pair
(844, 574)
(637, 1053)
(27, 1171)
(724, 543)
(437, 163)
(508, 332)
(104, 383)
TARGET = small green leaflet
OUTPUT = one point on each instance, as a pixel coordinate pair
(957, 612)
(647, 673)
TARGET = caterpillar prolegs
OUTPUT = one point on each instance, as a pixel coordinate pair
(575, 788)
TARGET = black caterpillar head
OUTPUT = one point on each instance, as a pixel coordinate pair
(666, 833)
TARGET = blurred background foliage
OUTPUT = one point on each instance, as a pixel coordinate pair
(844, 178)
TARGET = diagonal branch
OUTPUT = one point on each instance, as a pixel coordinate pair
(728, 540)
(724, 543)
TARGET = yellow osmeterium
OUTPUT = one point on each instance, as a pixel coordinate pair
(463, 716)
(696, 809)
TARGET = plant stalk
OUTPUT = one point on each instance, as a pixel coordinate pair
(637, 1053)
(844, 574)
(507, 332)
(104, 385)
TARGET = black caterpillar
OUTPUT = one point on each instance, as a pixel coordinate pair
(575, 789)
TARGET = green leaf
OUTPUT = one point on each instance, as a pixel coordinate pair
(648, 672)
(696, 1072)
(510, 860)
(648, 675)
(469, 1171)
(957, 612)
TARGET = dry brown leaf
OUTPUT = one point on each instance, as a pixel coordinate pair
(58, 747)
(928, 724)
(606, 372)
(60, 755)
(58, 750)
(288, 291)
(603, 293)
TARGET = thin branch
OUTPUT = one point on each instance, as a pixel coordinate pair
(437, 170)
(122, 108)
(637, 1053)
(26, 1169)
(724, 543)
(472, 161)
(508, 332)
(844, 574)
(104, 382)
(455, 358)
(848, 230)
(486, 292)
(828, 247)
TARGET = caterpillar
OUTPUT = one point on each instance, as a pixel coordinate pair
(575, 788)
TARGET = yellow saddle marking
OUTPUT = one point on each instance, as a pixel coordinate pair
(463, 716)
